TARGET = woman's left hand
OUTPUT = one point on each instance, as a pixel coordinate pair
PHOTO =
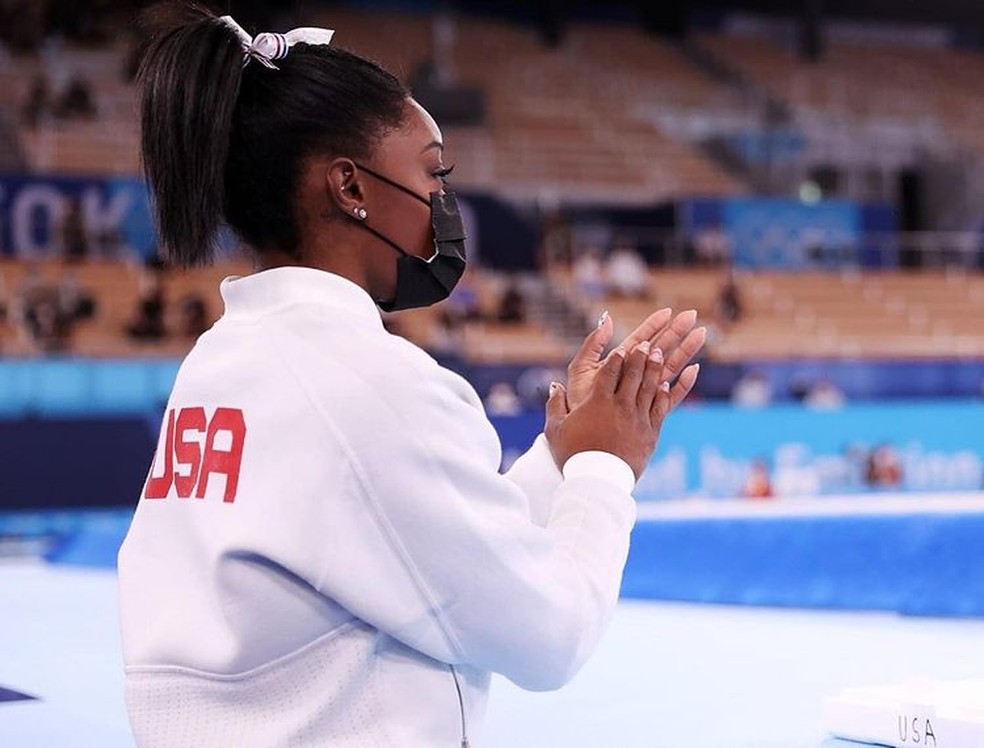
(676, 336)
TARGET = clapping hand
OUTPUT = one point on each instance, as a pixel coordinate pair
(677, 338)
(618, 403)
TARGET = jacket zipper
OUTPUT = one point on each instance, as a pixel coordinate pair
(461, 708)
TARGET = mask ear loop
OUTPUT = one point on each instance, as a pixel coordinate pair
(392, 183)
(386, 239)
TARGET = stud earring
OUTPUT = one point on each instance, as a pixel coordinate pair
(360, 213)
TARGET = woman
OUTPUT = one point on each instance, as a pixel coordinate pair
(324, 552)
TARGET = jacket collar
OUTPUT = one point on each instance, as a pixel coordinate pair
(270, 290)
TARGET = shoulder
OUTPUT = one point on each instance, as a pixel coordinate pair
(358, 370)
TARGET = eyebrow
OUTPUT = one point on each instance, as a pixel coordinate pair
(434, 144)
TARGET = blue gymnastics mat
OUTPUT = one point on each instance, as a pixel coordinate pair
(913, 556)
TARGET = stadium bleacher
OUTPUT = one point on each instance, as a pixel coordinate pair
(861, 82)
(561, 127)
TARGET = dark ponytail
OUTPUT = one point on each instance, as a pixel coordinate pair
(226, 143)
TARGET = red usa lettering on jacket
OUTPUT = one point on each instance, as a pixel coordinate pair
(186, 462)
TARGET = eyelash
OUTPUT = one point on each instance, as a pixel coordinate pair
(444, 173)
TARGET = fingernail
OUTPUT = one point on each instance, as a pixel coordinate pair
(644, 347)
(620, 351)
(602, 318)
(696, 369)
(553, 388)
(656, 356)
(665, 387)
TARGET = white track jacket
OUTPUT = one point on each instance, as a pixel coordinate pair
(325, 554)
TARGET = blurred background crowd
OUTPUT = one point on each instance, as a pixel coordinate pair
(808, 175)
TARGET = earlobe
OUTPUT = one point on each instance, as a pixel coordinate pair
(344, 187)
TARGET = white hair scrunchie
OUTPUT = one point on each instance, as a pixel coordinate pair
(267, 47)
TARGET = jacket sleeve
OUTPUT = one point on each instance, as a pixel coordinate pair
(536, 473)
(437, 549)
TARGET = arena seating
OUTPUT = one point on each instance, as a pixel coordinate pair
(558, 128)
(888, 314)
(561, 126)
(891, 314)
(105, 144)
(115, 287)
(863, 82)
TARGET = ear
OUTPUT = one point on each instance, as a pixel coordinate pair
(344, 186)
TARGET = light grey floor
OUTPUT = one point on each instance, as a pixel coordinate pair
(666, 675)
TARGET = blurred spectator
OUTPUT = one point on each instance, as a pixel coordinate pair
(40, 316)
(728, 304)
(74, 300)
(512, 305)
(799, 387)
(824, 395)
(148, 320)
(192, 316)
(74, 233)
(49, 328)
(502, 400)
(627, 273)
(712, 246)
(884, 467)
(589, 274)
(76, 101)
(753, 390)
(758, 483)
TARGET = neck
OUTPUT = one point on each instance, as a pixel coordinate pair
(342, 259)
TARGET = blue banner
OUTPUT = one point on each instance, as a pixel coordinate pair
(794, 235)
(720, 451)
(115, 215)
(711, 450)
(789, 233)
(116, 219)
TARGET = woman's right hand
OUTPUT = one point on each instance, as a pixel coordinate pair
(622, 413)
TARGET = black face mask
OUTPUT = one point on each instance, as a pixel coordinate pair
(421, 282)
